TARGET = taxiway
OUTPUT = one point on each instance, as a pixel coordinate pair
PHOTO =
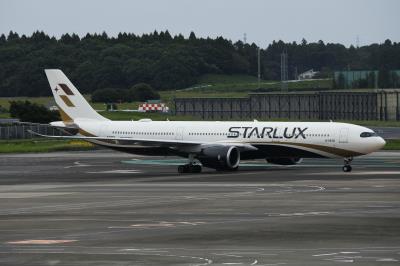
(107, 208)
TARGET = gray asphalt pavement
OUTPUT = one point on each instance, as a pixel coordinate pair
(388, 132)
(107, 208)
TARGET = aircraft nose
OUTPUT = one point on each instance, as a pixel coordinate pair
(380, 143)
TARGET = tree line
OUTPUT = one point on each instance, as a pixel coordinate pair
(98, 61)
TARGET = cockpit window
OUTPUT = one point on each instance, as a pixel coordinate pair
(368, 134)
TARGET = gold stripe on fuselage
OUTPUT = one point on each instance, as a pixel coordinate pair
(331, 150)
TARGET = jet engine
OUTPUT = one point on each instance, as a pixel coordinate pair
(220, 157)
(284, 161)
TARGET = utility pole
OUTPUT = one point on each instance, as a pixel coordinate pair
(284, 71)
(259, 68)
(348, 84)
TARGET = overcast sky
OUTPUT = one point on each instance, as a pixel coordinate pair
(263, 21)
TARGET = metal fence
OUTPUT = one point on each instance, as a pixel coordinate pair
(20, 130)
(338, 105)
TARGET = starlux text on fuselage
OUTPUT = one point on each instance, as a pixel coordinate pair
(270, 132)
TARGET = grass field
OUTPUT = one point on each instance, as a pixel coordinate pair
(243, 84)
(4, 115)
(5, 101)
(119, 115)
(393, 144)
(43, 145)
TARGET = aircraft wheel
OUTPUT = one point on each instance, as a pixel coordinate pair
(196, 169)
(347, 168)
(187, 168)
(181, 169)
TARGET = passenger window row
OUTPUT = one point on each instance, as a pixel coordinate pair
(317, 135)
(143, 133)
(208, 134)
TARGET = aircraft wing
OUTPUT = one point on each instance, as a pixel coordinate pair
(150, 142)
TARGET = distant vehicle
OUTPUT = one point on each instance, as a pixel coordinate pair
(218, 145)
(53, 108)
(308, 74)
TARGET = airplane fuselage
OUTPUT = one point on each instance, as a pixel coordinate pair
(272, 139)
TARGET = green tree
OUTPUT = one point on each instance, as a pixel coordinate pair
(109, 95)
(142, 92)
(32, 112)
(97, 61)
(192, 36)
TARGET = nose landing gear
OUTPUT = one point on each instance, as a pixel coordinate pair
(347, 167)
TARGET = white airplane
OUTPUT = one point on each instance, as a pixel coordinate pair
(218, 145)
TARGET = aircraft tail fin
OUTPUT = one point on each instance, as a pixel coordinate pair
(71, 103)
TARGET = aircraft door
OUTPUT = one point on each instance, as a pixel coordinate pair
(179, 133)
(344, 135)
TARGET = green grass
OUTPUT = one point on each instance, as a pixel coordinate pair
(213, 82)
(4, 101)
(392, 144)
(4, 115)
(214, 79)
(43, 145)
(372, 123)
(124, 116)
(220, 86)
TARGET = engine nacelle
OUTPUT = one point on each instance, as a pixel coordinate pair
(220, 157)
(284, 161)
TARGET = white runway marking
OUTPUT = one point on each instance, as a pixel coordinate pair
(77, 164)
(355, 172)
(228, 255)
(298, 214)
(162, 224)
(127, 171)
(327, 254)
(41, 241)
(341, 260)
(387, 259)
(24, 195)
(349, 252)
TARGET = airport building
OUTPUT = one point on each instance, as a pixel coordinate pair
(362, 78)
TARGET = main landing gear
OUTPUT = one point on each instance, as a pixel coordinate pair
(190, 167)
(347, 167)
